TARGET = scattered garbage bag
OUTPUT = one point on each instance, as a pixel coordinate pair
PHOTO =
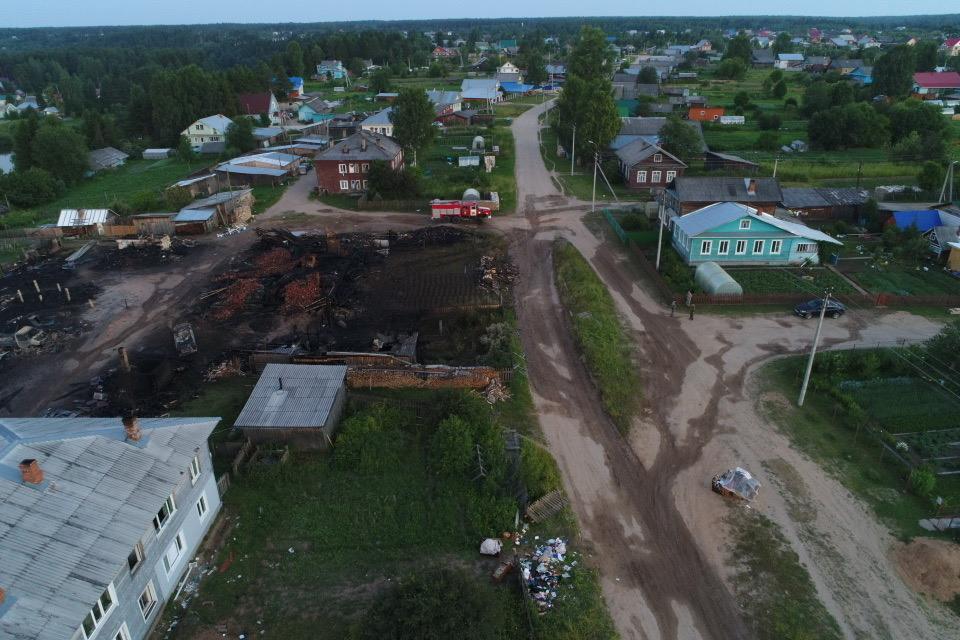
(490, 547)
(544, 569)
(738, 483)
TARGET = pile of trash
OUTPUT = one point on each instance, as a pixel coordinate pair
(233, 230)
(227, 369)
(496, 274)
(544, 569)
(495, 392)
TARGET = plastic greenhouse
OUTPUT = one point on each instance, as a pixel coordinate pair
(713, 279)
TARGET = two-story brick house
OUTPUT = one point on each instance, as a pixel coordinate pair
(345, 166)
(99, 522)
(645, 166)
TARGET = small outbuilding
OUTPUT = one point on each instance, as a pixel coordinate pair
(157, 154)
(106, 158)
(298, 404)
(711, 277)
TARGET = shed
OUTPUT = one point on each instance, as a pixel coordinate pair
(190, 221)
(203, 185)
(157, 154)
(711, 277)
(154, 223)
(295, 403)
(78, 218)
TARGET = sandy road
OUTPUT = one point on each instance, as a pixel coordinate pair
(657, 531)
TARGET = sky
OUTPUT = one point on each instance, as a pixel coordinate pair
(65, 13)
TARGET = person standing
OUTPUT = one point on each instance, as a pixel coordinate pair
(673, 307)
(689, 297)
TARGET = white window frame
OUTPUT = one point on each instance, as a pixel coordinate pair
(341, 168)
(354, 185)
(740, 248)
(641, 177)
(706, 247)
(671, 175)
(723, 247)
(657, 157)
(123, 633)
(139, 553)
(151, 592)
(655, 176)
(352, 168)
(775, 247)
(344, 185)
(170, 505)
(758, 243)
(365, 183)
(98, 613)
(202, 507)
(806, 247)
(745, 223)
(195, 469)
(174, 552)
(365, 167)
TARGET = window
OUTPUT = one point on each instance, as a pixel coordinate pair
(657, 157)
(163, 516)
(202, 506)
(344, 185)
(214, 138)
(741, 247)
(123, 633)
(745, 223)
(706, 246)
(365, 184)
(366, 167)
(199, 127)
(135, 558)
(355, 184)
(807, 247)
(758, 246)
(671, 175)
(655, 176)
(99, 612)
(148, 600)
(641, 176)
(353, 167)
(775, 246)
(342, 168)
(174, 551)
(195, 469)
(723, 247)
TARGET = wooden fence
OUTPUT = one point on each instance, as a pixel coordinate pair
(223, 483)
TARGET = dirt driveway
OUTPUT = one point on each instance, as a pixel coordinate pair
(645, 505)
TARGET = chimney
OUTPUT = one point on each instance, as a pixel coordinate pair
(363, 144)
(752, 187)
(30, 471)
(131, 427)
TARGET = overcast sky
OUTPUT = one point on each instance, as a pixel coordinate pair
(63, 13)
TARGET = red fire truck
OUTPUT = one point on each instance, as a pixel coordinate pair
(444, 209)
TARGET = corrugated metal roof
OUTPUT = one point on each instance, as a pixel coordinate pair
(105, 158)
(379, 118)
(62, 542)
(194, 215)
(83, 217)
(378, 147)
(219, 198)
(293, 395)
(714, 215)
(639, 150)
(727, 189)
(251, 171)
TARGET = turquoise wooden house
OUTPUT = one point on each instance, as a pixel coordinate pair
(735, 234)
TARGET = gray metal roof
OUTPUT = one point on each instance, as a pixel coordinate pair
(105, 158)
(293, 395)
(377, 147)
(242, 169)
(219, 198)
(726, 189)
(63, 541)
(729, 157)
(381, 117)
(640, 150)
(818, 197)
(194, 215)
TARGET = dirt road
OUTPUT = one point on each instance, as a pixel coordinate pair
(657, 531)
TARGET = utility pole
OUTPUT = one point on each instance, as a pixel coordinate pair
(660, 233)
(593, 199)
(948, 180)
(776, 162)
(573, 148)
(813, 350)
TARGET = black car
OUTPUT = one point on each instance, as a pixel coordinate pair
(812, 308)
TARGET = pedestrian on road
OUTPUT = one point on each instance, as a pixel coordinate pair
(689, 297)
(673, 307)
(692, 307)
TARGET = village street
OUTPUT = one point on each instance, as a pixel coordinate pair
(657, 531)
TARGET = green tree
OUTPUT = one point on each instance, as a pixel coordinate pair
(23, 140)
(930, 177)
(776, 75)
(240, 135)
(648, 75)
(927, 55)
(588, 104)
(176, 198)
(388, 183)
(739, 47)
(841, 93)
(294, 59)
(782, 43)
(780, 89)
(29, 188)
(184, 150)
(436, 603)
(412, 117)
(731, 69)
(817, 97)
(680, 139)
(768, 141)
(741, 100)
(591, 57)
(380, 80)
(61, 151)
(925, 119)
(893, 72)
(536, 70)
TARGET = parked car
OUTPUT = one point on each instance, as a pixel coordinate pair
(812, 308)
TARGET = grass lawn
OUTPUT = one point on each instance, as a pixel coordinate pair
(817, 430)
(601, 336)
(580, 185)
(444, 179)
(100, 191)
(783, 280)
(510, 109)
(267, 196)
(906, 280)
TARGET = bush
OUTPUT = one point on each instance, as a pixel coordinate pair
(368, 442)
(452, 447)
(923, 482)
(769, 121)
(30, 188)
(538, 469)
(635, 222)
(768, 141)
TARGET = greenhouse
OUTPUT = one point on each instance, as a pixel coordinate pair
(714, 280)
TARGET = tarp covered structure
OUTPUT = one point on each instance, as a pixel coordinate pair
(714, 280)
(738, 482)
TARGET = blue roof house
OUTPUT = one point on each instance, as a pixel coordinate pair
(734, 234)
(862, 75)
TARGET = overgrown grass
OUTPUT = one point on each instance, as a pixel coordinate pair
(101, 190)
(775, 591)
(818, 430)
(267, 196)
(601, 336)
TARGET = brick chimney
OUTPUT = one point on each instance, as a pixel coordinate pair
(131, 427)
(30, 471)
(752, 187)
